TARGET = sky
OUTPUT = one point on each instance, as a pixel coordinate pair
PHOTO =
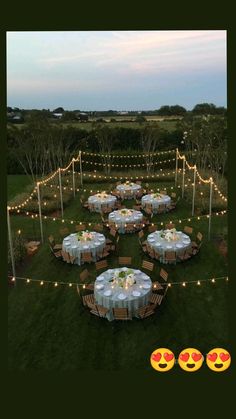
(116, 70)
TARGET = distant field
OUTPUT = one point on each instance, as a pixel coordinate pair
(167, 124)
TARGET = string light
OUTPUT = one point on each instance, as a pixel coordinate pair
(70, 284)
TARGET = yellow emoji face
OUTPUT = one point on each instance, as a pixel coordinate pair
(190, 359)
(218, 359)
(162, 359)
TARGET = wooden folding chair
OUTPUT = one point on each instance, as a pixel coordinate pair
(173, 195)
(155, 299)
(164, 274)
(169, 226)
(183, 256)
(64, 231)
(151, 228)
(198, 240)
(65, 256)
(147, 265)
(161, 208)
(170, 256)
(102, 264)
(99, 311)
(86, 257)
(157, 255)
(163, 192)
(80, 227)
(84, 275)
(121, 314)
(129, 228)
(88, 300)
(125, 260)
(141, 234)
(188, 230)
(156, 286)
(72, 259)
(145, 311)
(98, 228)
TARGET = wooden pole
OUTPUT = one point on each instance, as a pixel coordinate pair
(210, 208)
(59, 173)
(176, 166)
(10, 244)
(73, 175)
(183, 177)
(80, 163)
(194, 187)
(40, 212)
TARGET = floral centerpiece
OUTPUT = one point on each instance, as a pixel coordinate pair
(128, 183)
(102, 195)
(169, 235)
(125, 212)
(85, 236)
(123, 279)
(156, 195)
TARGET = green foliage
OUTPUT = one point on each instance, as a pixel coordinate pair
(19, 250)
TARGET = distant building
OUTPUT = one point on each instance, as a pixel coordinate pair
(82, 116)
(57, 115)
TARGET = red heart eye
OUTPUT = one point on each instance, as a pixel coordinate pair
(196, 357)
(184, 357)
(156, 357)
(168, 357)
(224, 357)
(212, 357)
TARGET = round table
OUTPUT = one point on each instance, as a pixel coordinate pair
(75, 248)
(128, 190)
(161, 244)
(111, 295)
(99, 201)
(155, 200)
(123, 217)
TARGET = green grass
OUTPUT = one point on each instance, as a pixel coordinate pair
(49, 329)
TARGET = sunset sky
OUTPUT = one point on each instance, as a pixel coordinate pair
(119, 70)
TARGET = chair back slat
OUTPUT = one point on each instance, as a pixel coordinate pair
(148, 265)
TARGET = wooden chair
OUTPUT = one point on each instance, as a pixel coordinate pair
(86, 257)
(151, 228)
(156, 299)
(101, 265)
(147, 265)
(80, 227)
(99, 311)
(183, 256)
(161, 208)
(195, 250)
(64, 231)
(98, 228)
(129, 228)
(145, 311)
(170, 256)
(57, 254)
(157, 255)
(89, 286)
(137, 207)
(169, 226)
(199, 238)
(84, 275)
(188, 230)
(124, 260)
(121, 314)
(113, 232)
(88, 300)
(141, 234)
(151, 253)
(173, 195)
(164, 274)
(53, 243)
(156, 286)
(65, 256)
(72, 259)
(163, 192)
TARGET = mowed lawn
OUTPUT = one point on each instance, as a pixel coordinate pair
(49, 329)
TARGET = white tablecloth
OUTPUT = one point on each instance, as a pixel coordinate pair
(76, 248)
(128, 191)
(121, 297)
(161, 245)
(120, 220)
(155, 201)
(97, 202)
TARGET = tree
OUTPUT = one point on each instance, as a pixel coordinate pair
(106, 139)
(58, 110)
(150, 138)
(140, 119)
(204, 109)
